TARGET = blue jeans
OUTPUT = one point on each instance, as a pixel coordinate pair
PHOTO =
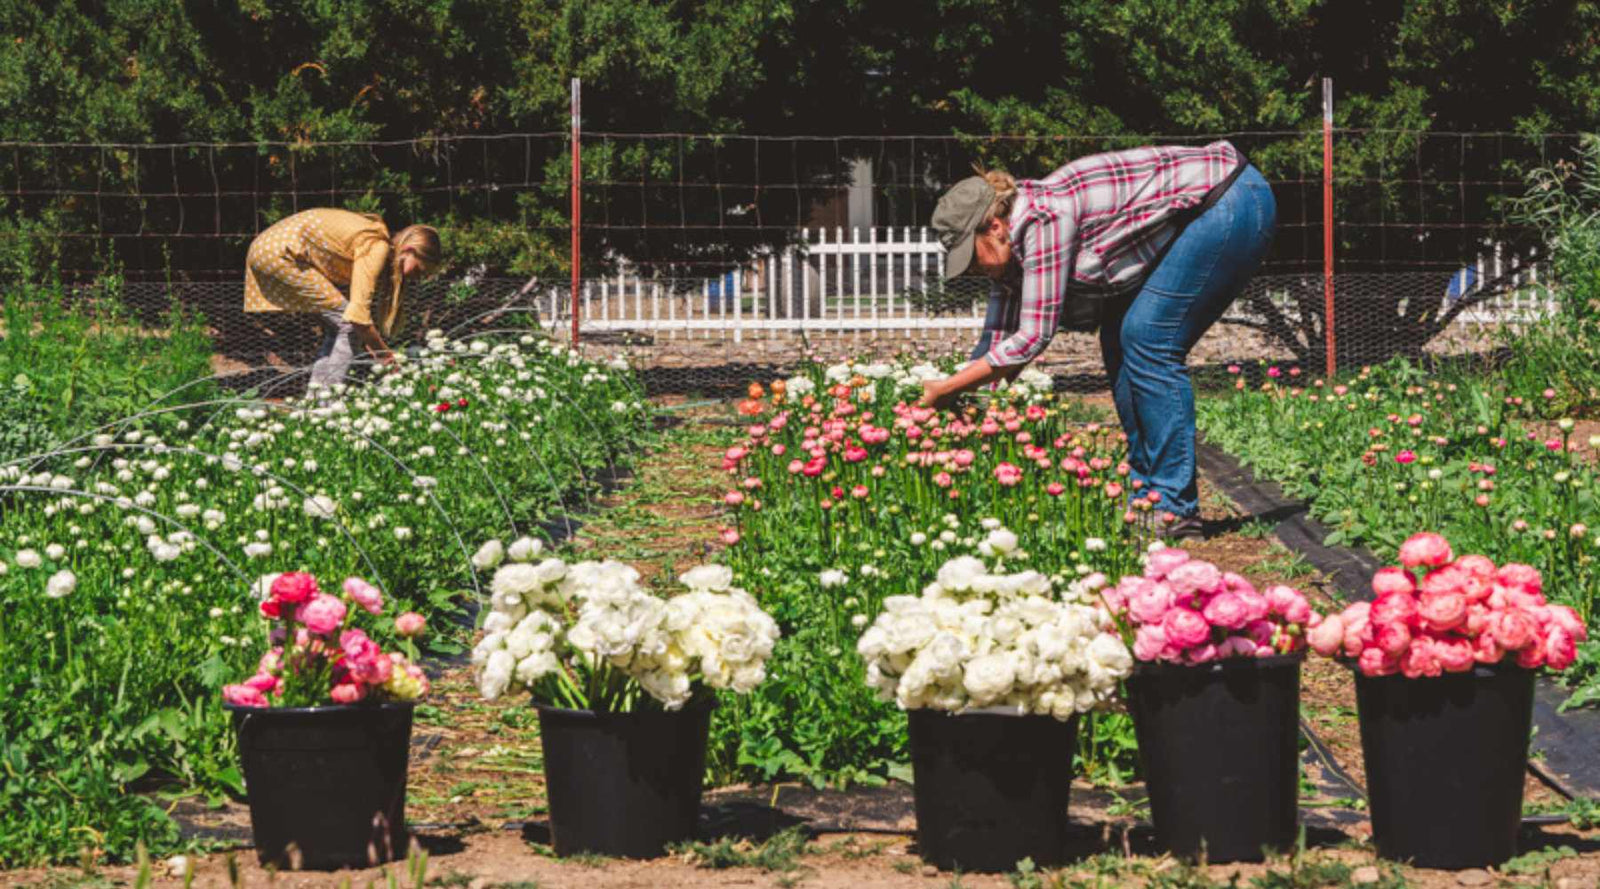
(1145, 340)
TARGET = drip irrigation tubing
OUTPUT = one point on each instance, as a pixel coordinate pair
(1564, 753)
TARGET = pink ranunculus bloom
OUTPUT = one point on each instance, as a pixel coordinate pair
(1560, 649)
(778, 450)
(347, 692)
(733, 498)
(364, 594)
(1485, 650)
(1225, 610)
(1394, 608)
(1455, 654)
(1150, 602)
(357, 646)
(1373, 662)
(1194, 577)
(1055, 489)
(1161, 562)
(855, 455)
(1236, 646)
(1520, 577)
(1448, 579)
(294, 587)
(1477, 621)
(1357, 628)
(271, 660)
(943, 479)
(1185, 627)
(1567, 619)
(243, 696)
(322, 615)
(1442, 612)
(1289, 604)
(410, 624)
(1008, 474)
(1201, 654)
(1405, 457)
(1425, 549)
(1391, 638)
(1327, 637)
(1256, 605)
(730, 536)
(1392, 580)
(373, 671)
(1237, 583)
(1113, 490)
(1150, 643)
(1532, 657)
(266, 683)
(1513, 629)
(1421, 659)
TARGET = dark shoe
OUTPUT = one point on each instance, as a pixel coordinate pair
(1186, 528)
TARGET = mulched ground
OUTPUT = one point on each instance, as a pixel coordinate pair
(477, 795)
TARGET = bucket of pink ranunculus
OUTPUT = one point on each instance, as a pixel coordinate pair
(324, 728)
(1215, 696)
(1445, 659)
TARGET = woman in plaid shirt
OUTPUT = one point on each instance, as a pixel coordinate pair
(1151, 245)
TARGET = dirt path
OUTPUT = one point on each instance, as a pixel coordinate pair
(477, 794)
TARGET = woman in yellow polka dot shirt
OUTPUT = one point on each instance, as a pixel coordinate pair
(300, 262)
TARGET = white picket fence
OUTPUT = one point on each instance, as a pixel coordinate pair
(878, 280)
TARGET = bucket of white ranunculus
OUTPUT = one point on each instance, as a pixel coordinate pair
(1445, 659)
(324, 729)
(622, 680)
(1215, 700)
(994, 669)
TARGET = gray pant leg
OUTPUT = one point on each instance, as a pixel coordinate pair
(337, 353)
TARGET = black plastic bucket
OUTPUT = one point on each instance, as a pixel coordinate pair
(623, 784)
(1446, 758)
(1219, 745)
(990, 789)
(326, 785)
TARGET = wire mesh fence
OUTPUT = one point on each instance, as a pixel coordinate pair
(711, 258)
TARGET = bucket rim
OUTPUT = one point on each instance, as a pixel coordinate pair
(1001, 712)
(1231, 664)
(597, 715)
(386, 706)
(1478, 671)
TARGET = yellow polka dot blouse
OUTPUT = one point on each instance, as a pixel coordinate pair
(301, 261)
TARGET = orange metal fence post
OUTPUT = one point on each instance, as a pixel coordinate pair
(1331, 344)
(577, 206)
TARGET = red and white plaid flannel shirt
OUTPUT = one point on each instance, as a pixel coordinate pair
(1104, 218)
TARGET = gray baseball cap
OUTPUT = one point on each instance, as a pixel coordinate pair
(956, 220)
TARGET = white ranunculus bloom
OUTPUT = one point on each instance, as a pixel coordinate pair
(488, 556)
(27, 558)
(714, 578)
(61, 584)
(524, 549)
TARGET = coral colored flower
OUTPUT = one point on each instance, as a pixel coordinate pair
(364, 594)
(1113, 490)
(1054, 489)
(322, 615)
(243, 696)
(1392, 580)
(730, 536)
(1442, 612)
(410, 624)
(1327, 637)
(1225, 610)
(1185, 627)
(1425, 549)
(858, 492)
(348, 692)
(294, 587)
